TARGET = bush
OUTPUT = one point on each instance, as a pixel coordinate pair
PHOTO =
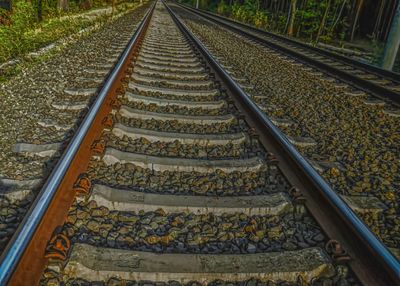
(5, 17)
(25, 34)
(223, 9)
(12, 37)
(260, 20)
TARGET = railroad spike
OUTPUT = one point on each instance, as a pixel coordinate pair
(297, 196)
(58, 246)
(82, 185)
(120, 90)
(254, 137)
(98, 147)
(336, 251)
(115, 103)
(271, 159)
(108, 121)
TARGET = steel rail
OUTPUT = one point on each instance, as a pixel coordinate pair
(347, 60)
(20, 240)
(342, 75)
(384, 268)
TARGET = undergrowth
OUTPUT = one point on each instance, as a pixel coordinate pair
(21, 33)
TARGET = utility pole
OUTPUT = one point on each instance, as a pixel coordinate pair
(197, 4)
(393, 42)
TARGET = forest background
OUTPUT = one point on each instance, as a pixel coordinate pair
(357, 27)
(29, 25)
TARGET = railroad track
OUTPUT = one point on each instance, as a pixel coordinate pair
(175, 174)
(50, 107)
(292, 106)
(383, 84)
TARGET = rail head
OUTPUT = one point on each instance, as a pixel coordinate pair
(22, 237)
(358, 236)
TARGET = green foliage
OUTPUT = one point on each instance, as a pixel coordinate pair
(249, 13)
(310, 17)
(22, 33)
(307, 21)
(12, 37)
(5, 17)
(223, 9)
(260, 19)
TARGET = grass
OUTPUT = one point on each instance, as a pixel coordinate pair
(26, 35)
(14, 43)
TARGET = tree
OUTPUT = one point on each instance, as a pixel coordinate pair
(393, 42)
(62, 5)
(339, 16)
(356, 15)
(323, 21)
(293, 10)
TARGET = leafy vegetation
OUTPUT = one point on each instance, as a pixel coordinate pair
(365, 22)
(275, 16)
(21, 31)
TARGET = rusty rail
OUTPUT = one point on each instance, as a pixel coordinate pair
(371, 261)
(23, 259)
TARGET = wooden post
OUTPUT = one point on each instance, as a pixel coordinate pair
(197, 4)
(393, 42)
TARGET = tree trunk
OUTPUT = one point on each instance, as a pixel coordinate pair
(359, 5)
(393, 42)
(300, 23)
(40, 11)
(339, 16)
(292, 17)
(389, 14)
(377, 32)
(323, 21)
(62, 5)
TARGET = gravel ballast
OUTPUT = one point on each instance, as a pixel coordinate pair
(28, 113)
(356, 137)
